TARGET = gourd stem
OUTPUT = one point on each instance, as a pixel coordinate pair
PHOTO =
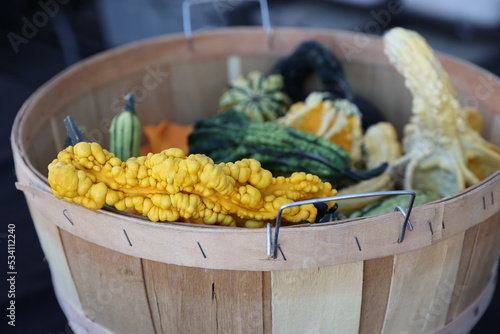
(360, 175)
(74, 133)
(130, 102)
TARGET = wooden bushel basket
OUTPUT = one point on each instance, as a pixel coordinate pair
(120, 273)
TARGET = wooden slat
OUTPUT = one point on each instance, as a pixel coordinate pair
(480, 252)
(41, 152)
(369, 81)
(110, 286)
(422, 286)
(238, 297)
(494, 134)
(107, 102)
(233, 67)
(321, 300)
(180, 298)
(196, 88)
(469, 242)
(83, 110)
(377, 275)
(194, 300)
(258, 62)
(154, 95)
(50, 241)
(267, 306)
(471, 206)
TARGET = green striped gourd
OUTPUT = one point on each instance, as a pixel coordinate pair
(261, 97)
(126, 131)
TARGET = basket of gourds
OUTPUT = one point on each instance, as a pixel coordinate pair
(299, 183)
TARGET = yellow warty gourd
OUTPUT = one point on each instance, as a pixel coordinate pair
(169, 185)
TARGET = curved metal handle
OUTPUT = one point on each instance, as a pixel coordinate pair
(274, 245)
(186, 16)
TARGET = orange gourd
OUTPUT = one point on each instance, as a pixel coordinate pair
(166, 135)
(337, 120)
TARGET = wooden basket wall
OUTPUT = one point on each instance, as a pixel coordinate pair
(123, 274)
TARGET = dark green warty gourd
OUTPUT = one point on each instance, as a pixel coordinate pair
(232, 136)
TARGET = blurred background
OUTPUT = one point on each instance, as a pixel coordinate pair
(39, 38)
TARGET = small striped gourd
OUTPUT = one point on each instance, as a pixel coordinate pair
(261, 97)
(126, 131)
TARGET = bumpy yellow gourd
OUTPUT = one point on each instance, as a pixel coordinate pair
(170, 185)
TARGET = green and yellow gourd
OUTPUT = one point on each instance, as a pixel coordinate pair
(126, 131)
(231, 136)
(338, 120)
(261, 97)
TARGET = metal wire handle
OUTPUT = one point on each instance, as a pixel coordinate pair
(186, 16)
(273, 245)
